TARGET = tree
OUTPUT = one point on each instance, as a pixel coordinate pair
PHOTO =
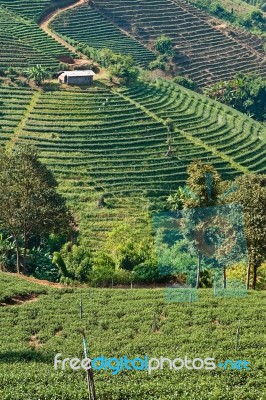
(186, 82)
(123, 67)
(251, 194)
(38, 74)
(29, 203)
(245, 93)
(164, 45)
(203, 188)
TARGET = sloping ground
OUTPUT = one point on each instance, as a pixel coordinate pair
(30, 8)
(99, 141)
(18, 54)
(119, 323)
(14, 289)
(25, 43)
(204, 53)
(86, 25)
(13, 103)
(34, 9)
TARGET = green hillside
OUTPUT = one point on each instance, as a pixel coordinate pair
(86, 25)
(13, 103)
(112, 142)
(203, 52)
(25, 44)
(12, 286)
(119, 323)
(34, 9)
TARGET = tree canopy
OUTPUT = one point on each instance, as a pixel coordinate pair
(29, 202)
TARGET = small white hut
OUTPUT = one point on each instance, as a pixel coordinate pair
(77, 77)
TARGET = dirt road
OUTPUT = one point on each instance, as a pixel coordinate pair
(44, 25)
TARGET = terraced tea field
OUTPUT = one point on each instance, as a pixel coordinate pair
(13, 103)
(25, 44)
(206, 54)
(86, 25)
(101, 141)
(119, 323)
(33, 9)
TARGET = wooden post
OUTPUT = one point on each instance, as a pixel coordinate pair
(89, 372)
(237, 336)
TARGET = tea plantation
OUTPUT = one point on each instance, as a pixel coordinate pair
(84, 24)
(24, 44)
(110, 142)
(203, 52)
(118, 323)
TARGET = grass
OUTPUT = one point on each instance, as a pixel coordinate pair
(119, 322)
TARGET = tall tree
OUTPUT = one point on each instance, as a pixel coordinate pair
(29, 203)
(202, 190)
(250, 192)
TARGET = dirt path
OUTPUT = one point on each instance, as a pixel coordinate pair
(44, 24)
(19, 300)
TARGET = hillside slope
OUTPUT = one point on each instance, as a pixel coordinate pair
(118, 323)
(103, 141)
(25, 44)
(203, 52)
(86, 25)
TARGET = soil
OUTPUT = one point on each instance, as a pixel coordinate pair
(19, 300)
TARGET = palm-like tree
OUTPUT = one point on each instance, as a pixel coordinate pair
(38, 74)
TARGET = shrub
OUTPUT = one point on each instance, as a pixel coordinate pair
(146, 272)
(186, 82)
(164, 45)
(159, 63)
(78, 261)
(103, 270)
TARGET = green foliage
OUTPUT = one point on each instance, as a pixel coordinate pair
(159, 63)
(263, 7)
(204, 184)
(12, 286)
(103, 271)
(219, 11)
(254, 21)
(118, 322)
(59, 262)
(246, 93)
(164, 45)
(250, 192)
(78, 261)
(186, 82)
(29, 203)
(7, 253)
(146, 272)
(128, 247)
(38, 74)
(79, 24)
(39, 263)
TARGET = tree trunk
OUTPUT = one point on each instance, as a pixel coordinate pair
(224, 278)
(17, 253)
(248, 276)
(198, 271)
(24, 252)
(254, 280)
